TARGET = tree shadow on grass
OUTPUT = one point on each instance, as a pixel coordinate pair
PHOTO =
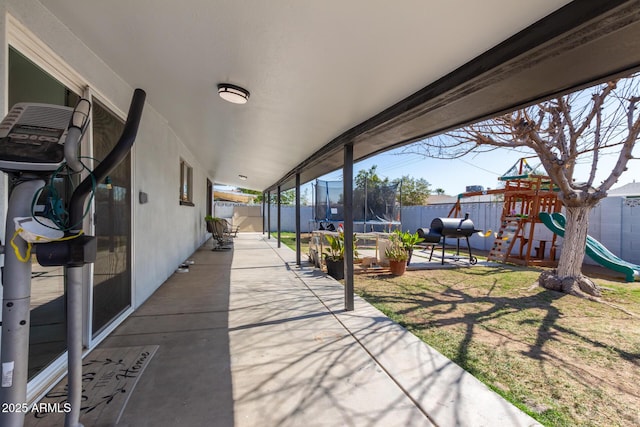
(418, 307)
(497, 307)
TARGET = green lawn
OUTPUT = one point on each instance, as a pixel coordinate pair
(564, 360)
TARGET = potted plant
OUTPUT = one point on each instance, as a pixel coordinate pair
(211, 220)
(409, 240)
(397, 255)
(334, 256)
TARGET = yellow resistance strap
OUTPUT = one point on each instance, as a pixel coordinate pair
(27, 255)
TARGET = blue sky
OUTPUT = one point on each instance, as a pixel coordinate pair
(451, 175)
(483, 169)
(474, 169)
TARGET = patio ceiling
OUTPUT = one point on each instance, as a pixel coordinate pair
(325, 73)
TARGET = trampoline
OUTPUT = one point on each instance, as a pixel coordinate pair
(376, 208)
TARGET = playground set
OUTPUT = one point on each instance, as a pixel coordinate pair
(521, 239)
(530, 202)
(530, 223)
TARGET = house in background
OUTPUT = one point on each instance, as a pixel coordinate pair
(233, 196)
(439, 199)
(631, 190)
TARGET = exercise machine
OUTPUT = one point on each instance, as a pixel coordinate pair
(37, 141)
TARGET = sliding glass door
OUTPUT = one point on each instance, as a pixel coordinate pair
(47, 332)
(112, 269)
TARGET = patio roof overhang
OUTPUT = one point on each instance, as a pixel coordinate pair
(581, 43)
(325, 74)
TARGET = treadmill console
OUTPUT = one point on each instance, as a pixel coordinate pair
(32, 137)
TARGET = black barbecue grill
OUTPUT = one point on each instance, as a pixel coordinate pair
(441, 228)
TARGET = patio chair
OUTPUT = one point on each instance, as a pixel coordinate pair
(217, 230)
(229, 230)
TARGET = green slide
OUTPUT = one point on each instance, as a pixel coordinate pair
(596, 251)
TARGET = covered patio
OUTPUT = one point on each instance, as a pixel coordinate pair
(248, 338)
(253, 336)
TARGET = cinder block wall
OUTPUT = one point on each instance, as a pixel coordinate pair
(615, 222)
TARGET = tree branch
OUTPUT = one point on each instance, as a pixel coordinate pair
(633, 125)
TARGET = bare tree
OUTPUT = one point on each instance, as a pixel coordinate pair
(571, 134)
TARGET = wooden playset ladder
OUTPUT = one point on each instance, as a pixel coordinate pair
(510, 229)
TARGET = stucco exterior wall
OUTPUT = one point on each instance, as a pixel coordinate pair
(164, 232)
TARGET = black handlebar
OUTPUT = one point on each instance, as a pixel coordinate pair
(113, 159)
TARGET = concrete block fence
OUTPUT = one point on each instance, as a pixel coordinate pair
(615, 222)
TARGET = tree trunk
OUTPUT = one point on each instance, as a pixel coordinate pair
(575, 240)
(568, 277)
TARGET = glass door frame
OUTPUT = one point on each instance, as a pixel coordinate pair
(29, 45)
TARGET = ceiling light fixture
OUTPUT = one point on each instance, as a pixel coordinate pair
(243, 177)
(232, 93)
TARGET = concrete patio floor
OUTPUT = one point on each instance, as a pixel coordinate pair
(247, 338)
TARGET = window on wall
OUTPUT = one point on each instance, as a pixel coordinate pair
(209, 197)
(186, 184)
